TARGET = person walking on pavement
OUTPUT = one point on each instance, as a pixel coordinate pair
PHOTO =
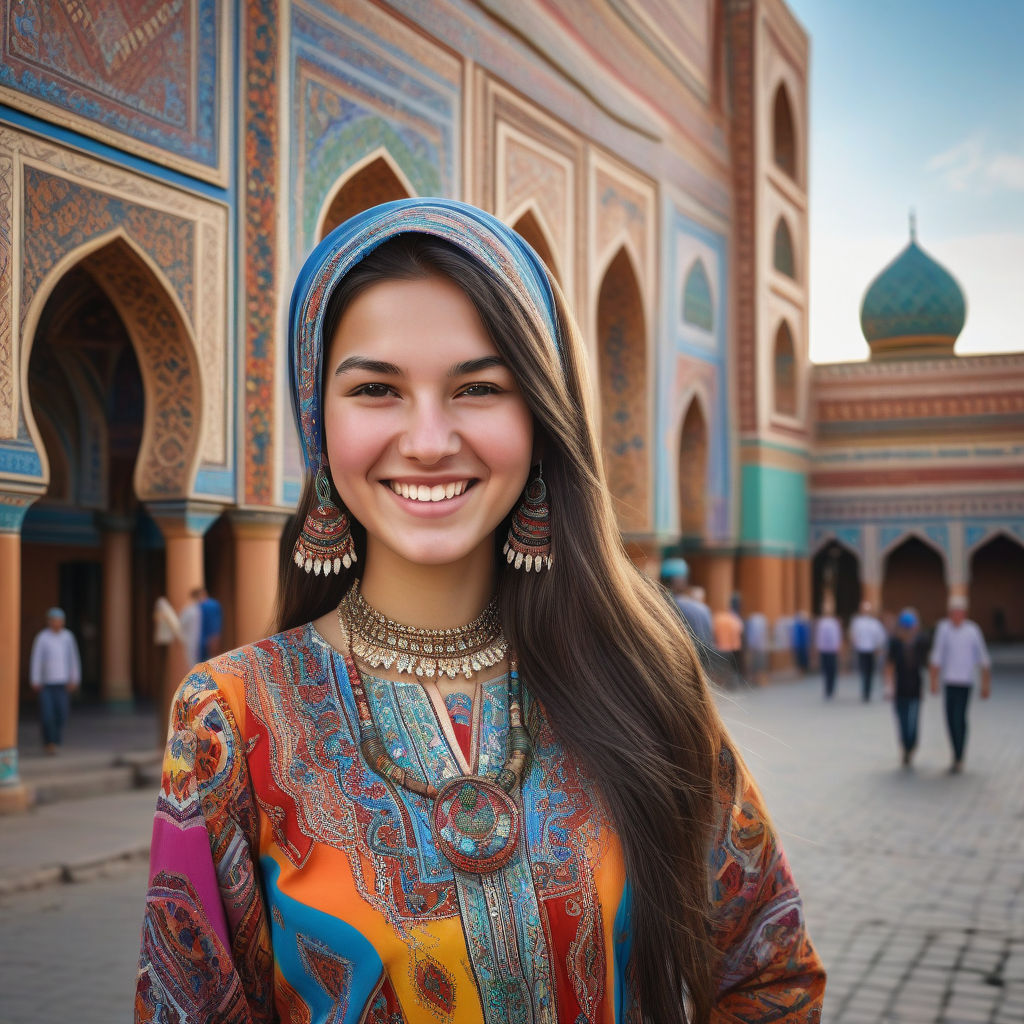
(55, 672)
(801, 638)
(828, 642)
(210, 624)
(728, 631)
(190, 621)
(906, 658)
(957, 653)
(695, 613)
(755, 636)
(867, 638)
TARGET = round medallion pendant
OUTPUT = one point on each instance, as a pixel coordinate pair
(475, 824)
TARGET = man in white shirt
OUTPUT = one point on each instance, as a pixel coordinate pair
(957, 653)
(55, 671)
(867, 637)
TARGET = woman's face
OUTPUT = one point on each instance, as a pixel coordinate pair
(429, 438)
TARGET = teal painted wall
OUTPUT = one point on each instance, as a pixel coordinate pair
(774, 515)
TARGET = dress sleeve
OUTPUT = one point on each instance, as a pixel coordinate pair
(768, 971)
(206, 953)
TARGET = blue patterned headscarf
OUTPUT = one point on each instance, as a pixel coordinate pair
(492, 243)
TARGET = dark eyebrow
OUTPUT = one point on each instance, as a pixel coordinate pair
(369, 365)
(477, 366)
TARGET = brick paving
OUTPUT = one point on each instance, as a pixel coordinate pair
(912, 881)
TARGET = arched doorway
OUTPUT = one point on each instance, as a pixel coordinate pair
(836, 576)
(113, 399)
(996, 593)
(693, 475)
(529, 227)
(915, 577)
(622, 369)
(375, 183)
(86, 392)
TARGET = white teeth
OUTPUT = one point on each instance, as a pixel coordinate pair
(426, 492)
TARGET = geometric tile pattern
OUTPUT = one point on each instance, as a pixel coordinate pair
(697, 302)
(139, 74)
(913, 297)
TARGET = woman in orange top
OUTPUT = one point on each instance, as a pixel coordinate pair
(478, 776)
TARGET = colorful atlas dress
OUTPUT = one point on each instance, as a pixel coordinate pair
(290, 883)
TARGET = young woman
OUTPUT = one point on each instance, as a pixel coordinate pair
(478, 776)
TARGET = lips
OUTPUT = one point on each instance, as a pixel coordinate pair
(429, 492)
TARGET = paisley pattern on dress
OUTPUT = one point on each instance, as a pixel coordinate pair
(289, 882)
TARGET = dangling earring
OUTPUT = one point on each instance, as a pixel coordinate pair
(529, 536)
(325, 543)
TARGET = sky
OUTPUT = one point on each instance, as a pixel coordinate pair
(915, 105)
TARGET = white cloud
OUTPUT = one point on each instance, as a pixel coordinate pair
(971, 165)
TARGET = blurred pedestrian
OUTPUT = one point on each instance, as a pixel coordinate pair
(801, 637)
(958, 653)
(190, 621)
(906, 658)
(210, 625)
(166, 631)
(755, 637)
(55, 672)
(828, 642)
(695, 613)
(728, 632)
(867, 638)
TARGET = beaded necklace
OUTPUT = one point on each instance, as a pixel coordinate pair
(380, 641)
(475, 820)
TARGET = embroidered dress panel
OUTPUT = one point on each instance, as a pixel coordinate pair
(290, 882)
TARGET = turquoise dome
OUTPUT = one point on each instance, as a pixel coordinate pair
(913, 304)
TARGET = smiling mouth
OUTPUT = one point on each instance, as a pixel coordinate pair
(430, 492)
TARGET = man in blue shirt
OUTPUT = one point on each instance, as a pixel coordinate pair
(210, 624)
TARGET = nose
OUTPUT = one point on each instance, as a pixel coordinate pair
(429, 435)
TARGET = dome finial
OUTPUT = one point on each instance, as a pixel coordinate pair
(913, 225)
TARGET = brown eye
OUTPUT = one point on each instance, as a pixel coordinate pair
(373, 390)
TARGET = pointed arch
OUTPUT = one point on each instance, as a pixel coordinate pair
(914, 575)
(783, 253)
(996, 591)
(375, 179)
(835, 575)
(698, 302)
(784, 383)
(622, 371)
(693, 472)
(784, 141)
(165, 347)
(532, 225)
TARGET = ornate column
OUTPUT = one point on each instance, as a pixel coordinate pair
(871, 567)
(14, 796)
(720, 574)
(959, 562)
(116, 647)
(182, 524)
(257, 535)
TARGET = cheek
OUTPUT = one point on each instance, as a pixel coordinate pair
(352, 447)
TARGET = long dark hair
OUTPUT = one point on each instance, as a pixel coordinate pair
(598, 645)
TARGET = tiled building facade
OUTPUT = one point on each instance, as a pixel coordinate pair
(162, 178)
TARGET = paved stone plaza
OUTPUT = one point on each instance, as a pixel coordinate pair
(912, 881)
